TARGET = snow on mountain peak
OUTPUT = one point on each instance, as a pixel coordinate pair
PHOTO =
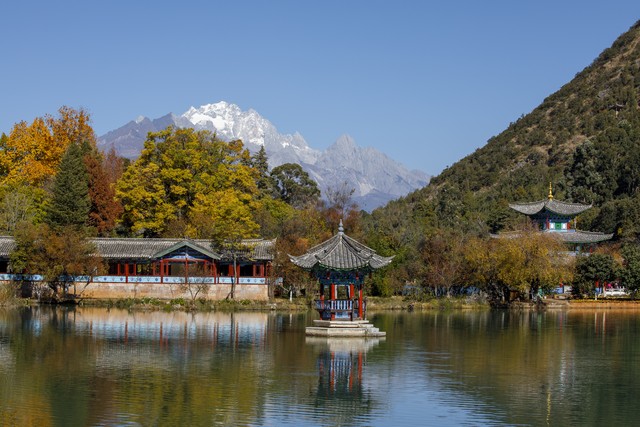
(375, 177)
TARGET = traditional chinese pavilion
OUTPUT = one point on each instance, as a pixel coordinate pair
(560, 217)
(340, 264)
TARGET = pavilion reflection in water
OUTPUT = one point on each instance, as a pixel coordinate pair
(341, 363)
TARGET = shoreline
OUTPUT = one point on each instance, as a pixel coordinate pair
(374, 304)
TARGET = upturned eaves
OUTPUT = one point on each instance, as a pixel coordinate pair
(341, 252)
(554, 206)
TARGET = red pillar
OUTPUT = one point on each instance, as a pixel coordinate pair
(332, 289)
(360, 308)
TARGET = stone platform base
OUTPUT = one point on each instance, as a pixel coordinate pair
(343, 328)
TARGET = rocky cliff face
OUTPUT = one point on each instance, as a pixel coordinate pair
(375, 177)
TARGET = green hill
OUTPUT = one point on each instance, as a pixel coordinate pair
(584, 139)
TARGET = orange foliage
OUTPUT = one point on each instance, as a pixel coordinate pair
(32, 152)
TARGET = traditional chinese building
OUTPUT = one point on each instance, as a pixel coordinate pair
(340, 264)
(559, 217)
(164, 268)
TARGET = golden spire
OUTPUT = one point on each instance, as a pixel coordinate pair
(550, 192)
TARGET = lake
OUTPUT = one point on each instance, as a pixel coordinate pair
(99, 367)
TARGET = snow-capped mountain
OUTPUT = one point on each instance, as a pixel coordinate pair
(375, 177)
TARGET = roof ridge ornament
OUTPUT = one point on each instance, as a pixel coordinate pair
(550, 196)
(340, 228)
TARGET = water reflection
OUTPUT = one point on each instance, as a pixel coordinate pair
(87, 366)
(341, 364)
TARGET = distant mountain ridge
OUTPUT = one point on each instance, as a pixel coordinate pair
(375, 177)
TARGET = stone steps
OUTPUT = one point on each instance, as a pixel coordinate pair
(341, 328)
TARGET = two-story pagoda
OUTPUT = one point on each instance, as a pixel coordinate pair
(560, 217)
(340, 264)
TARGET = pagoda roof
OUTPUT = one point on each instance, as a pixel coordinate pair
(574, 236)
(552, 205)
(584, 237)
(341, 252)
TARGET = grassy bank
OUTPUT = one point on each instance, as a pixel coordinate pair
(374, 304)
(412, 304)
(277, 304)
(197, 305)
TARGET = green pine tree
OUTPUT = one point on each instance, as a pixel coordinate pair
(265, 183)
(70, 202)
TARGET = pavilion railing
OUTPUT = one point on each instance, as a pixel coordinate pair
(340, 307)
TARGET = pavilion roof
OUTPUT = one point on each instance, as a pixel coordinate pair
(574, 236)
(552, 205)
(148, 249)
(584, 237)
(341, 252)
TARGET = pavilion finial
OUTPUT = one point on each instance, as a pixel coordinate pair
(340, 227)
(550, 192)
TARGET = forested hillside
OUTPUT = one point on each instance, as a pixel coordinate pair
(584, 139)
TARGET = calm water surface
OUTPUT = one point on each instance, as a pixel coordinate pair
(99, 367)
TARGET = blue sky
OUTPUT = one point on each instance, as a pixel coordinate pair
(424, 82)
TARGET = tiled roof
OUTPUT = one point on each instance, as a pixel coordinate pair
(341, 252)
(6, 246)
(584, 237)
(123, 248)
(147, 249)
(575, 236)
(555, 206)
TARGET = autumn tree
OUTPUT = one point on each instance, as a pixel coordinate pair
(301, 230)
(105, 209)
(524, 263)
(113, 166)
(59, 255)
(442, 255)
(31, 153)
(339, 206)
(192, 180)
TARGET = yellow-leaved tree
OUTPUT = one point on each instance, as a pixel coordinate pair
(31, 153)
(521, 263)
(188, 183)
